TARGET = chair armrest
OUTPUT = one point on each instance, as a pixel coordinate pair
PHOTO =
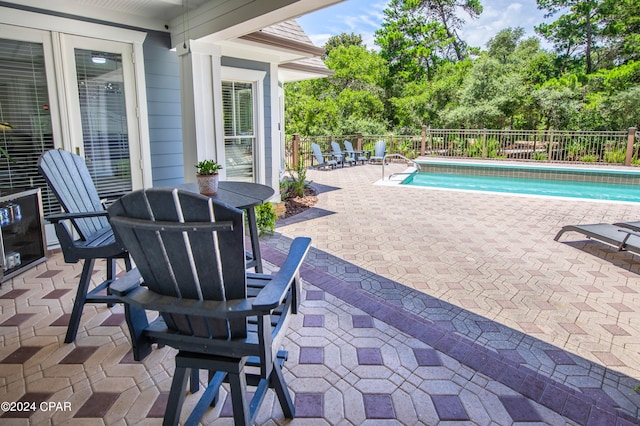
(126, 283)
(144, 298)
(272, 295)
(53, 218)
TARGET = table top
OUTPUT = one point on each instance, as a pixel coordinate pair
(241, 195)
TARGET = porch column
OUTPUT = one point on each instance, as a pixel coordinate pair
(199, 64)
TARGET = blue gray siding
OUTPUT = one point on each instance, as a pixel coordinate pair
(162, 75)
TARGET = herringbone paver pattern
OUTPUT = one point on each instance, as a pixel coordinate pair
(419, 307)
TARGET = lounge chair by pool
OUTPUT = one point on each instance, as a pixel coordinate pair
(616, 236)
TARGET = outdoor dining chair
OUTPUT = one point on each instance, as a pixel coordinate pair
(90, 236)
(189, 256)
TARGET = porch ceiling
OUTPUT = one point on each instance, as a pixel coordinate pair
(194, 19)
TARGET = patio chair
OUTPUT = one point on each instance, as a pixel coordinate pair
(616, 236)
(189, 256)
(340, 155)
(356, 155)
(379, 152)
(69, 179)
(324, 159)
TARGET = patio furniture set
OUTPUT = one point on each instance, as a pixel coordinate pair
(190, 268)
(348, 155)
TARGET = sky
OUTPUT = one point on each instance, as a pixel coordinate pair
(364, 17)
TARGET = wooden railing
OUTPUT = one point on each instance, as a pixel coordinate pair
(559, 146)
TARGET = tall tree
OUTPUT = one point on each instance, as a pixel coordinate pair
(577, 31)
(342, 39)
(504, 43)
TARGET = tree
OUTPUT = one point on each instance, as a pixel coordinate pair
(342, 39)
(576, 32)
(621, 30)
(504, 43)
(410, 44)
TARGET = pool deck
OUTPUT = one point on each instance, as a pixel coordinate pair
(419, 306)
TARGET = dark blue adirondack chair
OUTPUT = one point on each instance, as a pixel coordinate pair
(190, 268)
(69, 179)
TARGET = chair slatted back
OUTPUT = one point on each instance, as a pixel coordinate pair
(336, 148)
(317, 153)
(196, 262)
(348, 146)
(70, 181)
(380, 149)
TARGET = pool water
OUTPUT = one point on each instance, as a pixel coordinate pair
(544, 187)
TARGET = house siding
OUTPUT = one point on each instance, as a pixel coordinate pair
(227, 61)
(162, 75)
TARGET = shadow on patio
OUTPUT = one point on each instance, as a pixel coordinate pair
(364, 347)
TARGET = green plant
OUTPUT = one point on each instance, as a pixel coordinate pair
(297, 182)
(207, 167)
(589, 158)
(616, 156)
(266, 218)
(540, 156)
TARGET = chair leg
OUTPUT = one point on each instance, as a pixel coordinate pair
(278, 384)
(238, 385)
(81, 297)
(111, 275)
(176, 396)
(194, 381)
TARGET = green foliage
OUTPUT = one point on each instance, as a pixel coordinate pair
(425, 75)
(297, 182)
(617, 156)
(207, 167)
(540, 156)
(590, 158)
(266, 218)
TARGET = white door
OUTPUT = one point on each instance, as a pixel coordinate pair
(103, 124)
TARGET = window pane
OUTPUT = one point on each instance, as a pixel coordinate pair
(237, 101)
(25, 121)
(104, 121)
(244, 108)
(227, 108)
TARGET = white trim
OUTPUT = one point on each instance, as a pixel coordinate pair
(69, 26)
(257, 79)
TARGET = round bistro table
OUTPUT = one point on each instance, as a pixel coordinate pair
(242, 195)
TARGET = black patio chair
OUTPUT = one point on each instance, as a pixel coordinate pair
(90, 236)
(190, 268)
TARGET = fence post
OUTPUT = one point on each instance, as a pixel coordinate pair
(551, 144)
(296, 149)
(484, 143)
(391, 151)
(630, 140)
(424, 140)
(359, 141)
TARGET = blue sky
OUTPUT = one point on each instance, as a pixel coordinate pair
(364, 17)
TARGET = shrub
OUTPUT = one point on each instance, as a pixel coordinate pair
(617, 156)
(589, 158)
(266, 219)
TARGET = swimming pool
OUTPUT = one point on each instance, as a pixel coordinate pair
(585, 183)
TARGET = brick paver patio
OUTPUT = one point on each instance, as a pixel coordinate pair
(420, 307)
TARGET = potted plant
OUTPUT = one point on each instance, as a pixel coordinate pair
(207, 175)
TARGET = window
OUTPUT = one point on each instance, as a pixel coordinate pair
(239, 130)
(25, 120)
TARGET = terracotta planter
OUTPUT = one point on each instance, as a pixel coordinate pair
(208, 184)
